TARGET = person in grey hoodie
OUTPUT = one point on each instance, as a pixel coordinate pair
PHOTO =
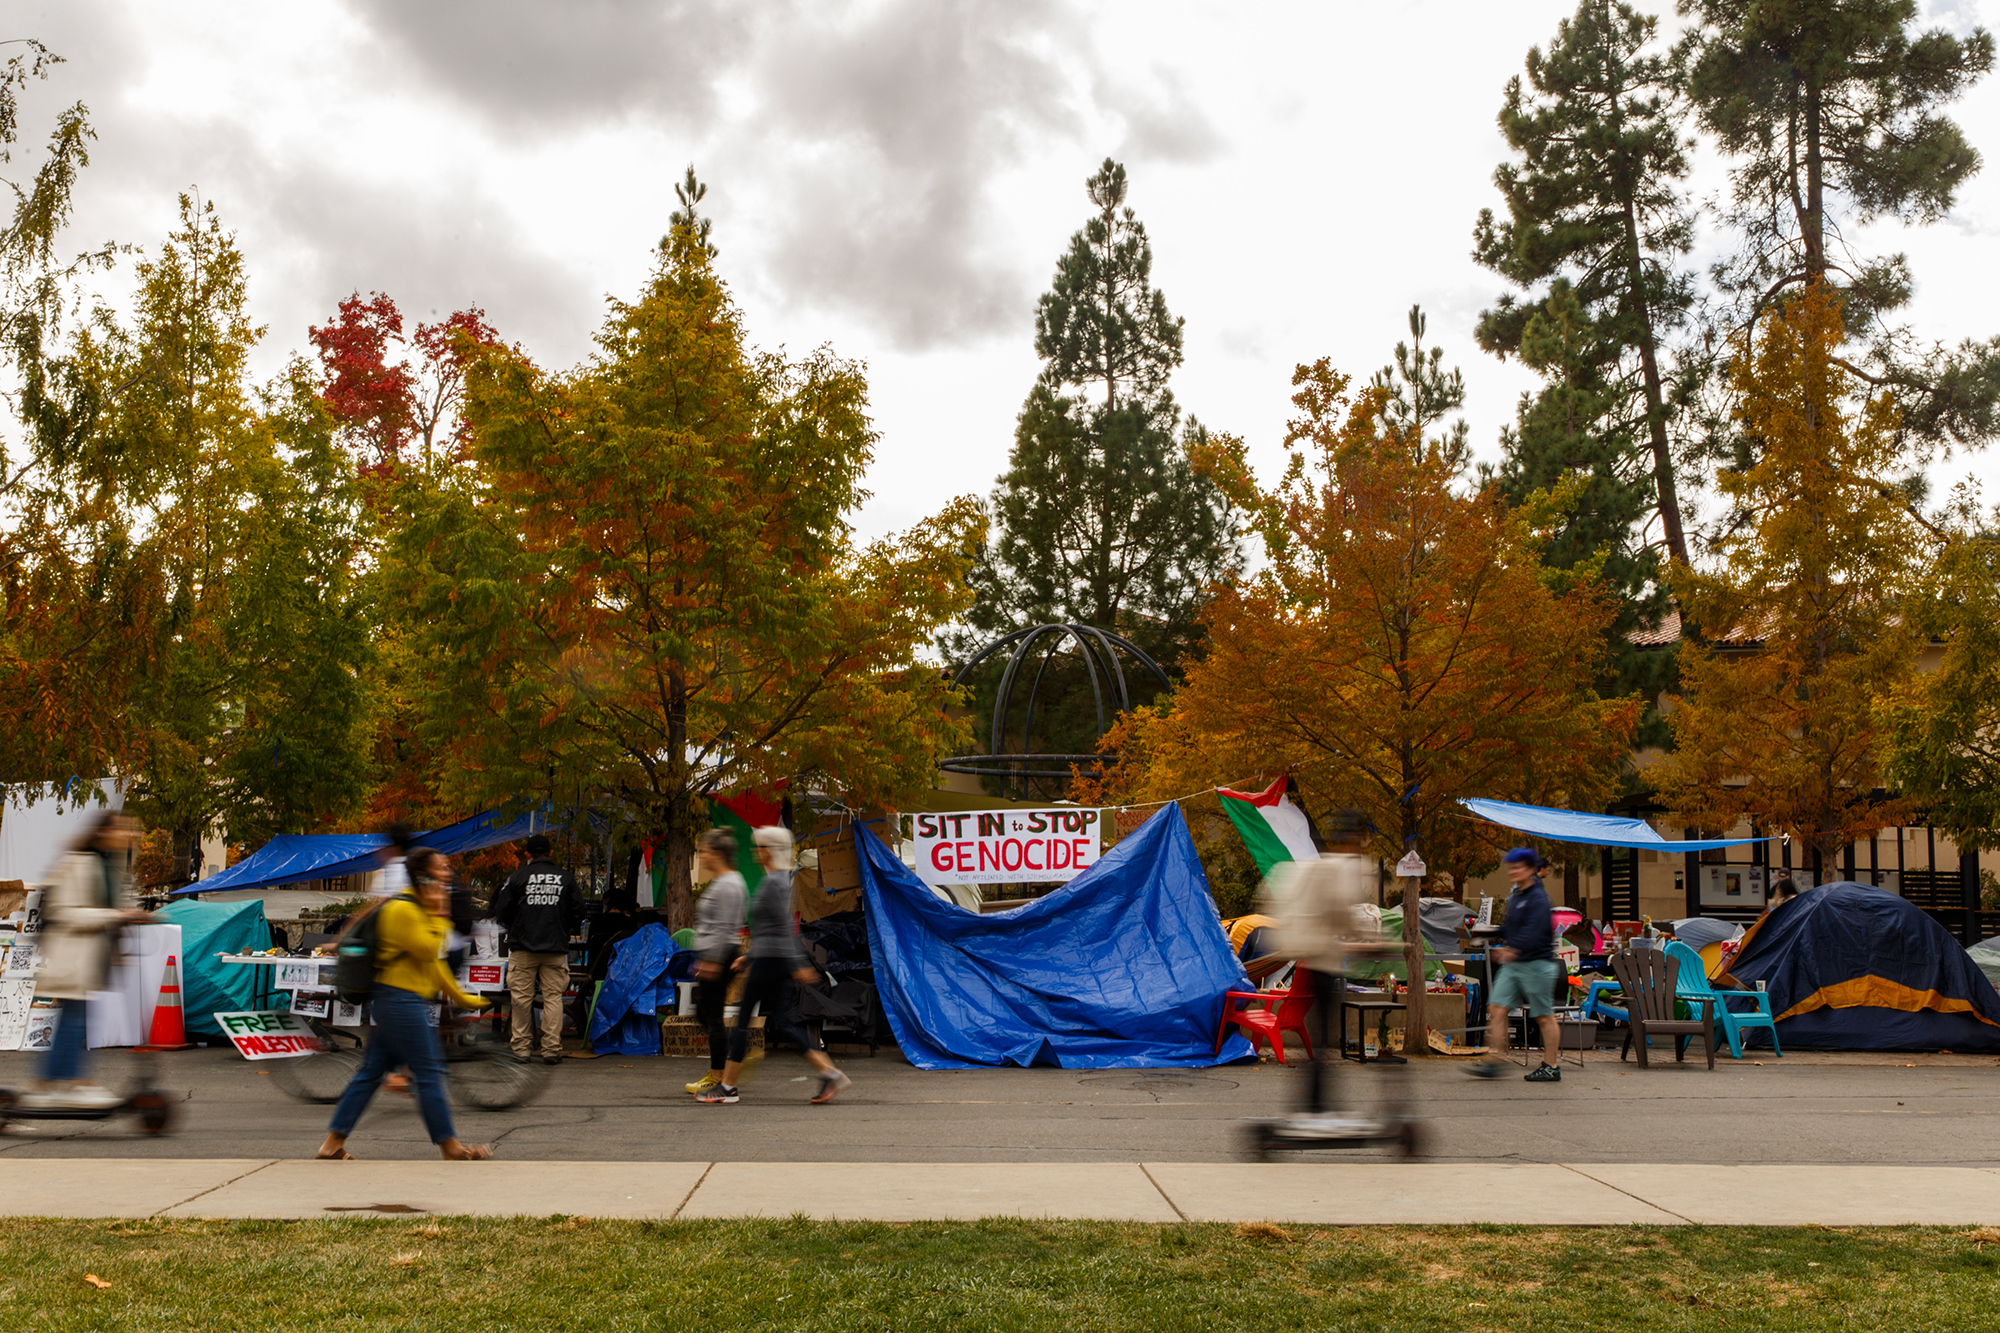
(776, 956)
(718, 935)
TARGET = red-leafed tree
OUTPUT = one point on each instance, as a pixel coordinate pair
(383, 407)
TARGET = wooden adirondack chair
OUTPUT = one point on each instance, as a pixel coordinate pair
(1649, 978)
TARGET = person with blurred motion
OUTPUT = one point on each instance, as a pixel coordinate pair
(776, 957)
(1314, 906)
(718, 935)
(1528, 972)
(410, 973)
(83, 910)
(392, 875)
(1784, 889)
(539, 907)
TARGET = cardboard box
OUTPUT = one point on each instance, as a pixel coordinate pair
(834, 885)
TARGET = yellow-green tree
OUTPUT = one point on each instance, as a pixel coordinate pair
(1790, 641)
(645, 575)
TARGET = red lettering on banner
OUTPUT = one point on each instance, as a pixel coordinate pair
(989, 856)
(1059, 858)
(1082, 850)
(1025, 862)
(941, 857)
(1011, 845)
(965, 858)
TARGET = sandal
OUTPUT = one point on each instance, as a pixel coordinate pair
(478, 1152)
(342, 1156)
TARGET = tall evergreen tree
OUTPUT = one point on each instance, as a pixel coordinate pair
(1596, 198)
(1828, 101)
(1099, 517)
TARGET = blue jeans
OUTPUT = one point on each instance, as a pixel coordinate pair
(403, 1036)
(67, 1052)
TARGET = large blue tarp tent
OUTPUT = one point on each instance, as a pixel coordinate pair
(207, 986)
(293, 858)
(1857, 967)
(1123, 967)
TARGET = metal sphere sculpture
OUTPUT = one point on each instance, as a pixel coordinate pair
(1099, 650)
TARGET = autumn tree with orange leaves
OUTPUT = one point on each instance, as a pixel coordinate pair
(1401, 648)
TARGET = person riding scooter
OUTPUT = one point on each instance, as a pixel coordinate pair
(83, 910)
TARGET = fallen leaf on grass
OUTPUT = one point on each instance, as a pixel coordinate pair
(1984, 1236)
(96, 1281)
(405, 1260)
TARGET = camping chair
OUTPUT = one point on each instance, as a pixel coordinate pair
(1649, 978)
(1694, 986)
(1281, 1011)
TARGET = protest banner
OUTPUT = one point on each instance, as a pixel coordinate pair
(1006, 846)
(268, 1034)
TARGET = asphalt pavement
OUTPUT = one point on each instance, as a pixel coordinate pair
(1915, 1111)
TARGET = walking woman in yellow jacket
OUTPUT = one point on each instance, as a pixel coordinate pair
(410, 973)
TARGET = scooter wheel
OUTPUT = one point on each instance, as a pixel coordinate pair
(156, 1113)
(1257, 1142)
(1410, 1141)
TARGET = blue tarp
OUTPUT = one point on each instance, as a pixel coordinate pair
(292, 858)
(636, 987)
(1123, 967)
(207, 929)
(1593, 830)
(1859, 968)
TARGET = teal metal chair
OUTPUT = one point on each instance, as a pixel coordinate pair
(1693, 985)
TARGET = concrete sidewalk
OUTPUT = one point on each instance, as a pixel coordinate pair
(1353, 1193)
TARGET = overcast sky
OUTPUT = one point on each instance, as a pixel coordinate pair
(893, 178)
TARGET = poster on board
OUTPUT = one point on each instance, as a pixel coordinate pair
(1007, 846)
(1732, 886)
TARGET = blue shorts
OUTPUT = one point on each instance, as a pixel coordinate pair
(1530, 985)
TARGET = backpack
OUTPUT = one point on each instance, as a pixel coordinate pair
(354, 954)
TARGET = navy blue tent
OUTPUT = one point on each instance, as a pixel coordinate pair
(1123, 967)
(1859, 968)
(293, 858)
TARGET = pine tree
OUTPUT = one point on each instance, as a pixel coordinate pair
(1574, 450)
(1596, 197)
(1099, 517)
(1824, 101)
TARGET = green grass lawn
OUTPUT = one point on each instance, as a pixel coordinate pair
(495, 1276)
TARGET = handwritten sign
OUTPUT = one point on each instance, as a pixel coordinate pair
(1007, 846)
(268, 1034)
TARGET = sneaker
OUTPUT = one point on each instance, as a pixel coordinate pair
(704, 1083)
(1544, 1073)
(1485, 1069)
(85, 1097)
(719, 1095)
(552, 1059)
(831, 1085)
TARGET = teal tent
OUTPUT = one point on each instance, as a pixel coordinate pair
(209, 987)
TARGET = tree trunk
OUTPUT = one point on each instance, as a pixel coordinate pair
(1572, 888)
(1416, 1028)
(678, 854)
(1813, 226)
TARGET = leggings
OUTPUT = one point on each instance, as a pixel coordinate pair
(710, 998)
(766, 986)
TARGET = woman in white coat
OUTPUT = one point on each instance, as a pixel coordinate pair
(83, 909)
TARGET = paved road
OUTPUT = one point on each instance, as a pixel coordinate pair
(624, 1108)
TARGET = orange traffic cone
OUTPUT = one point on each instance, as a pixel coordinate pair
(169, 1033)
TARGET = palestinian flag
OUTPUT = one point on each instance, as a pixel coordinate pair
(742, 813)
(1274, 830)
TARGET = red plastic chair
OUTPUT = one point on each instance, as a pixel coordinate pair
(1282, 1011)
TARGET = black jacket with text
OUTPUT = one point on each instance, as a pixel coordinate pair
(539, 907)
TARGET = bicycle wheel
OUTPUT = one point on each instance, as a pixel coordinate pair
(321, 1077)
(493, 1080)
